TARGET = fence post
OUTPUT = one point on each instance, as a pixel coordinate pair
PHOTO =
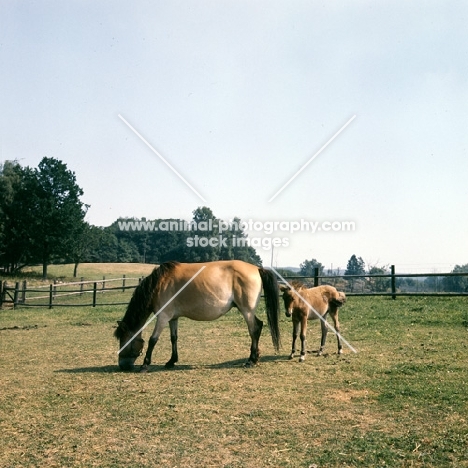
(94, 293)
(51, 295)
(55, 287)
(103, 282)
(81, 286)
(123, 283)
(393, 282)
(316, 279)
(23, 294)
(15, 297)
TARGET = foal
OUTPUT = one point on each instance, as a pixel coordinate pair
(324, 300)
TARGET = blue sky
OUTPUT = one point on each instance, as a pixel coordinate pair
(237, 96)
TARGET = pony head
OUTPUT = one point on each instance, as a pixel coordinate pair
(130, 348)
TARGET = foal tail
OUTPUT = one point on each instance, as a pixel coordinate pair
(339, 299)
(271, 294)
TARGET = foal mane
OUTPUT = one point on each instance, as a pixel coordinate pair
(138, 307)
(297, 285)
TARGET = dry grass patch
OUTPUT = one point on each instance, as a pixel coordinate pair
(399, 402)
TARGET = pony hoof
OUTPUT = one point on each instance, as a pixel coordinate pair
(249, 364)
(144, 370)
(169, 365)
(340, 351)
(291, 357)
(302, 359)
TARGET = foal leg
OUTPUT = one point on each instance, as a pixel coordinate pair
(303, 337)
(295, 334)
(324, 327)
(161, 322)
(173, 325)
(336, 323)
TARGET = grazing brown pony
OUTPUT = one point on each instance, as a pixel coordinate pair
(308, 304)
(198, 291)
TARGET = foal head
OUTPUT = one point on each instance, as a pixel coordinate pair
(132, 350)
(290, 298)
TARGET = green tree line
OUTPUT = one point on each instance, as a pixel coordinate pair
(42, 221)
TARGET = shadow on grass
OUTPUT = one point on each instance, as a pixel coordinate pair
(239, 363)
(95, 369)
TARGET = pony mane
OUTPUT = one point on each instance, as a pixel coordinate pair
(139, 305)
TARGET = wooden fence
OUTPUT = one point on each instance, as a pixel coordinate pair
(50, 295)
(20, 295)
(367, 284)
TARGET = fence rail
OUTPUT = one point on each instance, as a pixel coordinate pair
(20, 295)
(387, 284)
(48, 295)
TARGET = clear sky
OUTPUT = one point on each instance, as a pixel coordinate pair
(239, 95)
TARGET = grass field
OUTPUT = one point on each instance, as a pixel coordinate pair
(89, 271)
(401, 401)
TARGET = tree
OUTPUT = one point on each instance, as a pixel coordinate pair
(378, 284)
(203, 214)
(105, 245)
(206, 227)
(50, 211)
(355, 266)
(128, 252)
(12, 242)
(200, 241)
(82, 245)
(237, 245)
(456, 283)
(307, 267)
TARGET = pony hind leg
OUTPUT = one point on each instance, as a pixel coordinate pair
(324, 327)
(336, 323)
(255, 326)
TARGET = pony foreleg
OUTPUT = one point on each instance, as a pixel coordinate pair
(173, 325)
(295, 334)
(303, 338)
(160, 324)
(147, 361)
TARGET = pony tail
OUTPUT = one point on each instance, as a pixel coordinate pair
(271, 293)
